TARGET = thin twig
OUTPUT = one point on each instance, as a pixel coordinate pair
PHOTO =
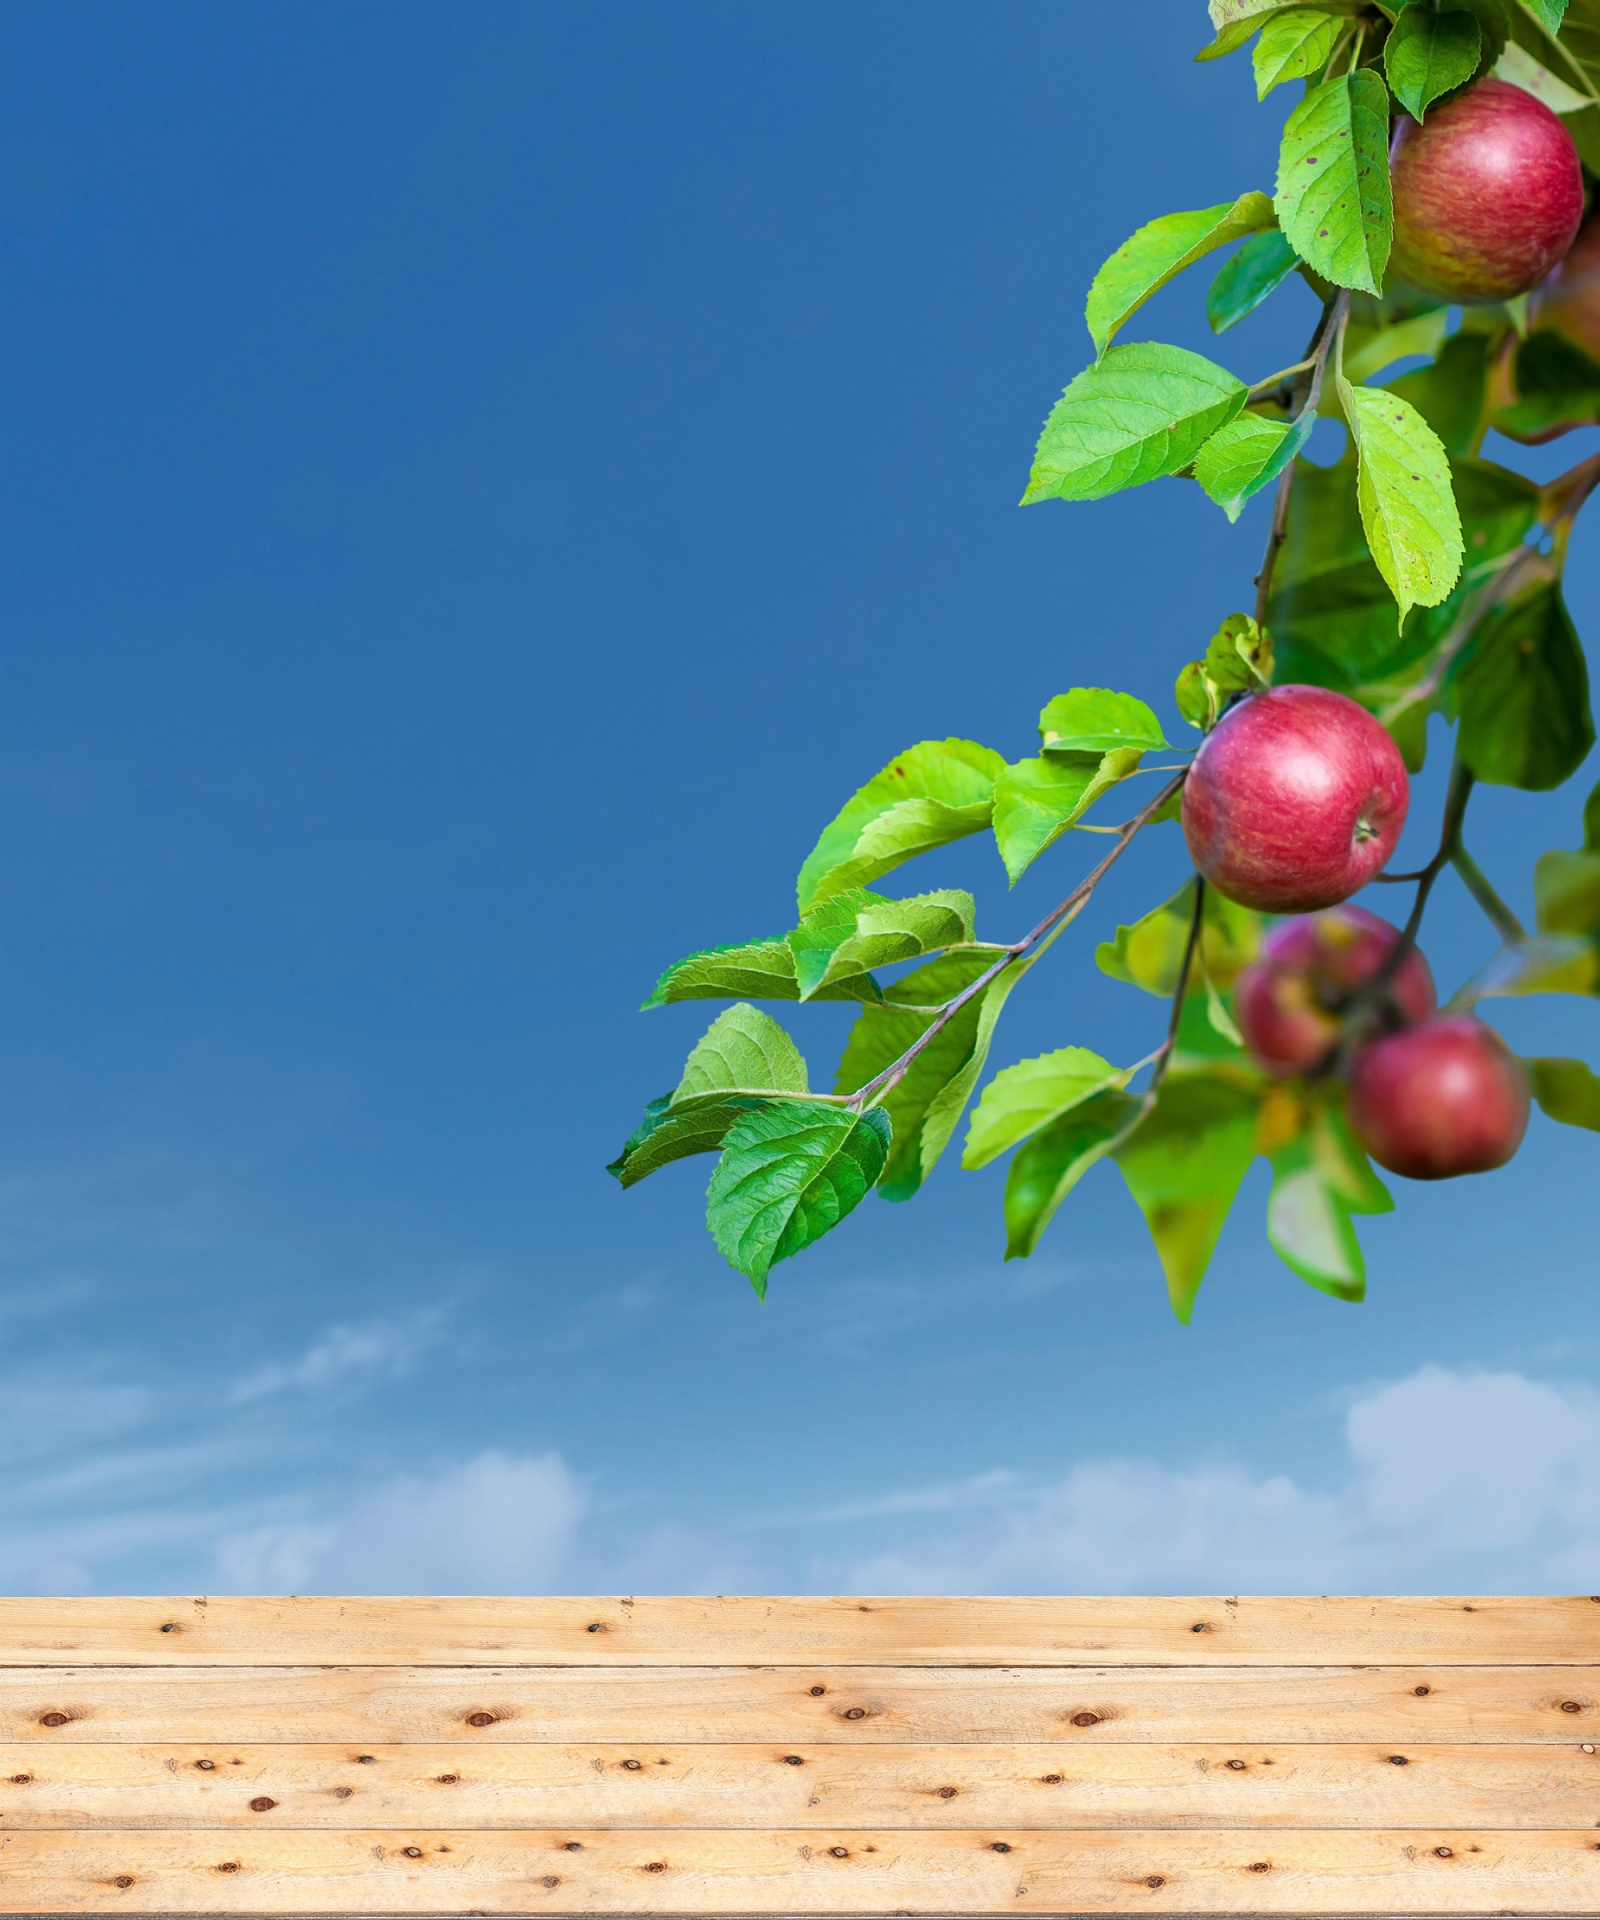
(1322, 344)
(1181, 991)
(1061, 916)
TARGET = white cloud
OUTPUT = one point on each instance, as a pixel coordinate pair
(386, 1347)
(498, 1524)
(1467, 1482)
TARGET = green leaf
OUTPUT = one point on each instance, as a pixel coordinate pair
(788, 1174)
(763, 969)
(1293, 46)
(926, 797)
(743, 1051)
(1566, 891)
(1567, 1090)
(1591, 822)
(1035, 802)
(1159, 252)
(1020, 1100)
(882, 1034)
(1248, 454)
(1552, 963)
(949, 1103)
(1051, 1164)
(1333, 181)
(1331, 614)
(1428, 54)
(1149, 953)
(1090, 721)
(1183, 1165)
(1141, 412)
(1523, 696)
(893, 930)
(1403, 487)
(1557, 386)
(1547, 12)
(819, 936)
(1451, 394)
(1236, 20)
(1310, 1228)
(1522, 70)
(1369, 351)
(664, 1135)
(1260, 266)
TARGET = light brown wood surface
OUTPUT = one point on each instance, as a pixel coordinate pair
(664, 1784)
(798, 1757)
(853, 1705)
(429, 1870)
(801, 1632)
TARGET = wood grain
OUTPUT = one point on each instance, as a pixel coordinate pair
(854, 1705)
(646, 1785)
(800, 1632)
(1436, 1871)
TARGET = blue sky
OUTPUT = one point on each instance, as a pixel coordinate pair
(483, 484)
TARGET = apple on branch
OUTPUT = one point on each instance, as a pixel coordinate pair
(1295, 800)
(1488, 194)
(1442, 1098)
(1290, 1002)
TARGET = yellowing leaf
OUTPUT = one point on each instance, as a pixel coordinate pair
(1293, 46)
(1408, 507)
(1333, 198)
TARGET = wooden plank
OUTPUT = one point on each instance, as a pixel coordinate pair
(1440, 1871)
(660, 1786)
(856, 1705)
(800, 1632)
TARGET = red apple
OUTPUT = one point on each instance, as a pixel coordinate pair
(1488, 194)
(1445, 1097)
(1295, 800)
(1291, 1000)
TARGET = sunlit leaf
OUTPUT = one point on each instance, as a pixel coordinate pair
(1567, 1090)
(1020, 1100)
(889, 931)
(664, 1136)
(1293, 46)
(1407, 505)
(1159, 252)
(1090, 721)
(1260, 266)
(743, 1051)
(1051, 1164)
(1429, 54)
(1333, 197)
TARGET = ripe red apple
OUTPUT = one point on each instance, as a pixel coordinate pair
(1291, 1000)
(1295, 800)
(1568, 301)
(1445, 1097)
(1488, 194)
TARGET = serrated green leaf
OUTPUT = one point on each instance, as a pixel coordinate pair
(1566, 891)
(788, 1174)
(664, 1135)
(1090, 721)
(1548, 13)
(1408, 508)
(1141, 412)
(1051, 1164)
(1241, 283)
(1159, 252)
(1452, 394)
(757, 970)
(1293, 46)
(1149, 953)
(819, 936)
(1332, 615)
(1035, 802)
(743, 1051)
(1248, 454)
(936, 792)
(1429, 54)
(1236, 20)
(950, 1102)
(1333, 196)
(895, 930)
(1183, 1165)
(882, 1034)
(1020, 1100)
(1567, 1090)
(1523, 696)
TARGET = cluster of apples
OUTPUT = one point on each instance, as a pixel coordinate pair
(1296, 800)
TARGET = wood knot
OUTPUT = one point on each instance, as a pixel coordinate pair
(1086, 1719)
(262, 1803)
(55, 1718)
(480, 1719)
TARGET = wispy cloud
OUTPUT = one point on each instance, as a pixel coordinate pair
(381, 1348)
